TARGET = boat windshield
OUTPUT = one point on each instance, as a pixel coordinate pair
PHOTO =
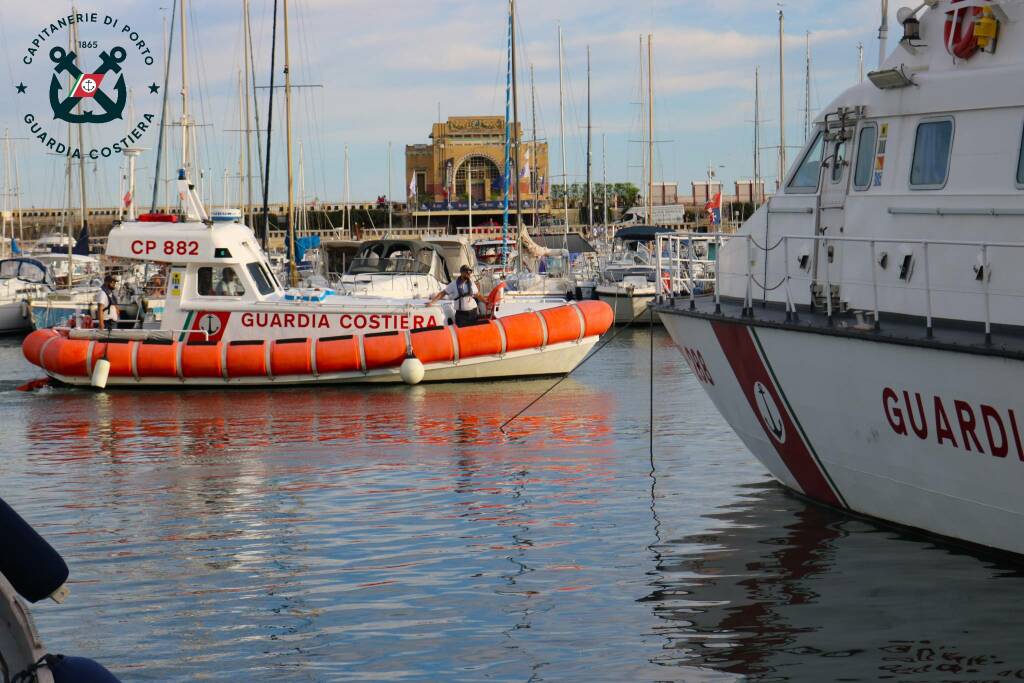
(23, 270)
(373, 264)
(619, 274)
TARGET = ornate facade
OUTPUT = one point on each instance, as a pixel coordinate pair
(466, 161)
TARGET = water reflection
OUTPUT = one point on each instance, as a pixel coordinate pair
(784, 590)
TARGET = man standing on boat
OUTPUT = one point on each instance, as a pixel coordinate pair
(106, 304)
(464, 292)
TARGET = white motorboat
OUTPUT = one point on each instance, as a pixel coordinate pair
(629, 290)
(866, 338)
(21, 280)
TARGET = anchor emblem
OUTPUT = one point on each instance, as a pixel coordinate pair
(65, 63)
(771, 416)
(210, 323)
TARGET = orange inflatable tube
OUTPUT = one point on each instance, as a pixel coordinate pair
(291, 357)
(56, 353)
(338, 354)
(247, 359)
(384, 350)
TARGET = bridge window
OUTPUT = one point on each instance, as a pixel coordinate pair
(932, 149)
(259, 276)
(219, 282)
(806, 177)
(865, 157)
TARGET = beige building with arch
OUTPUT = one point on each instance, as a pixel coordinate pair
(462, 169)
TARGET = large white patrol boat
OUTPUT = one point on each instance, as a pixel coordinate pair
(866, 339)
(227, 320)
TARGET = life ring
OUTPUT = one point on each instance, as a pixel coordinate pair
(959, 32)
(495, 298)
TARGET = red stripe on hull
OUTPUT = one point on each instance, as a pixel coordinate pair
(779, 426)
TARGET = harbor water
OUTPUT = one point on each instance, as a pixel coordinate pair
(398, 534)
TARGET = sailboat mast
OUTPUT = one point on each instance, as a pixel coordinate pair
(7, 191)
(265, 232)
(782, 103)
(292, 269)
(604, 179)
(68, 172)
(757, 137)
(515, 120)
(390, 203)
(242, 136)
(534, 187)
(347, 215)
(184, 91)
(860, 62)
(247, 80)
(17, 200)
(650, 126)
(561, 133)
(643, 121)
(84, 224)
(807, 89)
(590, 155)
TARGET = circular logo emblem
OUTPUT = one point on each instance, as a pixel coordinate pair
(768, 410)
(82, 69)
(210, 324)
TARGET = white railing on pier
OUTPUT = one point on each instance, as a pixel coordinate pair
(677, 261)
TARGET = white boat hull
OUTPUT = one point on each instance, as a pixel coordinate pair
(14, 318)
(556, 359)
(628, 307)
(926, 438)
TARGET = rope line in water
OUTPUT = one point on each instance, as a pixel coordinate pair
(566, 376)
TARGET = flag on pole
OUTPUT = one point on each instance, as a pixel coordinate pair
(412, 187)
(524, 172)
(127, 198)
(714, 209)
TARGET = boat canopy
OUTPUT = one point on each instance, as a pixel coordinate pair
(641, 233)
(399, 257)
(574, 242)
(25, 269)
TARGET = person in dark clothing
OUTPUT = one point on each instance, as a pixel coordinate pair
(106, 304)
(464, 292)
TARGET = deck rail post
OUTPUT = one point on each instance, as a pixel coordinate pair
(874, 285)
(718, 275)
(927, 294)
(985, 275)
(828, 282)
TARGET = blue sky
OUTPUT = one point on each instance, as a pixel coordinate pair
(386, 65)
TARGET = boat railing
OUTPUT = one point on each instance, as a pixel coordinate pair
(816, 269)
(688, 262)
